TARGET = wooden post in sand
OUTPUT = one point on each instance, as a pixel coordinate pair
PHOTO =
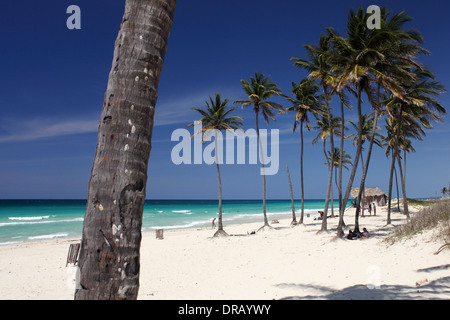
(159, 234)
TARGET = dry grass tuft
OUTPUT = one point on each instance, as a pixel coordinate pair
(436, 216)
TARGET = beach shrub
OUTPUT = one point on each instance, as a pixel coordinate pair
(436, 216)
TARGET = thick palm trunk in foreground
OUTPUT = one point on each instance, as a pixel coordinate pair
(109, 257)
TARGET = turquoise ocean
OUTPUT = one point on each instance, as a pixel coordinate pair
(36, 220)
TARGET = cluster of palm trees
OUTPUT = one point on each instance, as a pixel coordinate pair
(378, 64)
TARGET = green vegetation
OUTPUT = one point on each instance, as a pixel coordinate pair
(423, 203)
(436, 214)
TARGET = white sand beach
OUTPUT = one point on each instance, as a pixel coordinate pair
(286, 263)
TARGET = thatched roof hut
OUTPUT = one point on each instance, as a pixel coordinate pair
(371, 195)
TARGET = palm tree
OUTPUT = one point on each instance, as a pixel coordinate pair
(343, 102)
(259, 91)
(388, 140)
(345, 160)
(368, 133)
(406, 116)
(325, 131)
(215, 118)
(405, 144)
(320, 70)
(338, 162)
(306, 100)
(109, 259)
(380, 57)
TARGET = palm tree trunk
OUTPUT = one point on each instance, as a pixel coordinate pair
(301, 173)
(396, 186)
(404, 180)
(331, 195)
(363, 190)
(340, 232)
(266, 222)
(394, 156)
(391, 175)
(109, 259)
(366, 167)
(330, 171)
(405, 200)
(220, 232)
(294, 219)
(340, 158)
(369, 154)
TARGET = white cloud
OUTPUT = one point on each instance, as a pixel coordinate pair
(169, 111)
(44, 128)
(179, 110)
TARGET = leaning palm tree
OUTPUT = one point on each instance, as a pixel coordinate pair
(215, 119)
(109, 259)
(259, 91)
(306, 100)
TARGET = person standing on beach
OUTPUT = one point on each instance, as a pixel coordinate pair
(374, 209)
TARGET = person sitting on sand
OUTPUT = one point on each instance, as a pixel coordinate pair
(351, 235)
(365, 234)
(321, 216)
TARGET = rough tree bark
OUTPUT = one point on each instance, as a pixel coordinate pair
(109, 257)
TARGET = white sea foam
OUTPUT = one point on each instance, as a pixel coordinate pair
(10, 242)
(7, 224)
(28, 218)
(182, 211)
(183, 226)
(48, 236)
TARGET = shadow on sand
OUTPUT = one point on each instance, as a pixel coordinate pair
(437, 289)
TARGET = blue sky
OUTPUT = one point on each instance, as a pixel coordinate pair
(53, 81)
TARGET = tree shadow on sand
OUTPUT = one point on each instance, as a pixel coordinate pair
(438, 289)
